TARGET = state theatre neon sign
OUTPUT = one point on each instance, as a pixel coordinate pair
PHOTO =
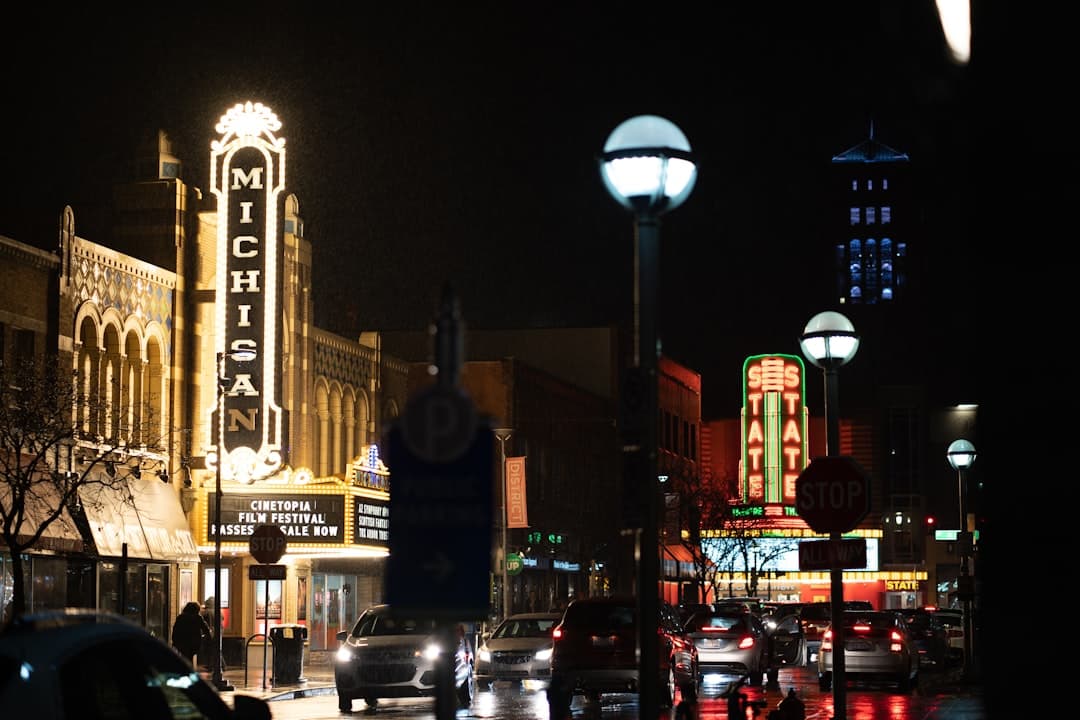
(247, 174)
(774, 444)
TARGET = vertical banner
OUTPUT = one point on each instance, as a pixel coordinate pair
(517, 514)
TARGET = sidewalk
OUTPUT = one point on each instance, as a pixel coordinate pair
(316, 678)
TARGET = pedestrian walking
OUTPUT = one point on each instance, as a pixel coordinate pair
(189, 631)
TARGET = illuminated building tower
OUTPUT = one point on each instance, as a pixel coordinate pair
(873, 218)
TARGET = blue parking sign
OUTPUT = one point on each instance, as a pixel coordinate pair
(441, 515)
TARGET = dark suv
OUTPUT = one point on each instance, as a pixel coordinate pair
(595, 652)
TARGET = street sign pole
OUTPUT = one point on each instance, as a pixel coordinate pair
(836, 574)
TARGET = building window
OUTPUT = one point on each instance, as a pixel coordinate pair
(24, 346)
(855, 185)
(884, 183)
(870, 184)
(870, 215)
(854, 215)
(886, 214)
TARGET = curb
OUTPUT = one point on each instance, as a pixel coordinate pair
(303, 693)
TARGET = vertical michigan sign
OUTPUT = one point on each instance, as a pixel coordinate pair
(247, 174)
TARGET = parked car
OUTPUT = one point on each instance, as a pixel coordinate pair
(815, 617)
(754, 604)
(731, 642)
(775, 610)
(877, 646)
(388, 655)
(953, 622)
(595, 652)
(930, 636)
(786, 640)
(685, 610)
(73, 664)
(519, 649)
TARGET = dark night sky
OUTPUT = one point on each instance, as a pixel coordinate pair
(429, 145)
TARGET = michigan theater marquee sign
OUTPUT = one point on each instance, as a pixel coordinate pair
(247, 174)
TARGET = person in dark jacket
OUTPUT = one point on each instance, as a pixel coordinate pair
(189, 631)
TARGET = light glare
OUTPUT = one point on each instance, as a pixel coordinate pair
(955, 16)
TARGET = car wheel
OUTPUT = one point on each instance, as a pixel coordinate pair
(371, 702)
(344, 704)
(558, 697)
(689, 692)
(465, 692)
(667, 689)
(825, 682)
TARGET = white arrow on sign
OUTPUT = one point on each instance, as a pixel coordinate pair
(440, 567)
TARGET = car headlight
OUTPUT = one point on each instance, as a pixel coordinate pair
(544, 654)
(431, 652)
(484, 655)
(343, 654)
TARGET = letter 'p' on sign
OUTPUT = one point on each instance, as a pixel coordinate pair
(439, 424)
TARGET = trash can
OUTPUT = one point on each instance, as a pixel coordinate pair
(288, 642)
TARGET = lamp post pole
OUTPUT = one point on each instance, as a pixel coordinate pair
(218, 680)
(647, 167)
(961, 455)
(829, 341)
(503, 434)
(240, 355)
(836, 575)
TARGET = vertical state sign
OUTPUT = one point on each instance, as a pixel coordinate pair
(517, 511)
(440, 529)
(247, 176)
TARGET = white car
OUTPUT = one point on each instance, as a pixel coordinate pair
(877, 646)
(387, 655)
(519, 649)
(77, 663)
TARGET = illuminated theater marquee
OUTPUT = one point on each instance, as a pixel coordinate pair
(774, 418)
(247, 174)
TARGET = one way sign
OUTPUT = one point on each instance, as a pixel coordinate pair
(829, 554)
(440, 529)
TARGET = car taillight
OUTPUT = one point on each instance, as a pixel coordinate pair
(557, 634)
(860, 627)
(826, 640)
(747, 641)
(895, 642)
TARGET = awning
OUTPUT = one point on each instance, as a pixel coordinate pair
(60, 535)
(679, 552)
(151, 521)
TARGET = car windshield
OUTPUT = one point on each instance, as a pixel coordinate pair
(377, 624)
(601, 616)
(525, 628)
(823, 610)
(706, 623)
(919, 621)
(867, 622)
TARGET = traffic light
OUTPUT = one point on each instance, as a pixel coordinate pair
(931, 524)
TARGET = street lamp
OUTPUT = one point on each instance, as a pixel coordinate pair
(503, 434)
(217, 678)
(647, 167)
(961, 455)
(829, 341)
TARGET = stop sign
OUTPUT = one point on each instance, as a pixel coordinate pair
(267, 543)
(832, 494)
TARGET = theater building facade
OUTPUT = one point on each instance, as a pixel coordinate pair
(195, 313)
